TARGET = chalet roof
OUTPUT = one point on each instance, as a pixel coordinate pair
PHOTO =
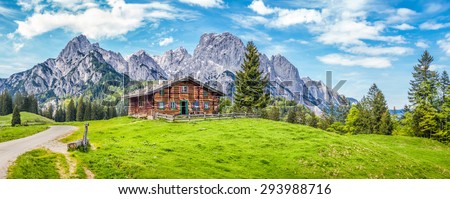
(157, 87)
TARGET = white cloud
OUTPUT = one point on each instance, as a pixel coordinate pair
(7, 12)
(404, 26)
(75, 5)
(115, 20)
(299, 41)
(435, 7)
(430, 25)
(166, 41)
(376, 51)
(422, 44)
(259, 7)
(436, 67)
(18, 46)
(444, 44)
(205, 3)
(249, 21)
(275, 50)
(351, 60)
(401, 15)
(282, 18)
(10, 35)
(350, 32)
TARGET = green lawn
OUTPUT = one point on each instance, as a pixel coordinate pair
(38, 164)
(252, 148)
(36, 124)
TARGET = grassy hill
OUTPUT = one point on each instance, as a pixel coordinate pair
(253, 148)
(26, 117)
(36, 124)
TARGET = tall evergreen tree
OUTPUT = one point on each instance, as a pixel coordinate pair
(421, 74)
(80, 109)
(50, 112)
(71, 112)
(1, 104)
(16, 117)
(7, 104)
(18, 100)
(34, 105)
(87, 112)
(444, 85)
(250, 83)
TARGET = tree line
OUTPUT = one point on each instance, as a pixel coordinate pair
(23, 102)
(428, 115)
(82, 110)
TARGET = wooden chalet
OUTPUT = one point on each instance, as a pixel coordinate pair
(179, 97)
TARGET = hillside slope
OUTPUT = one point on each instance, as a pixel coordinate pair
(253, 148)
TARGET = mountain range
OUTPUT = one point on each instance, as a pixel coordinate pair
(82, 66)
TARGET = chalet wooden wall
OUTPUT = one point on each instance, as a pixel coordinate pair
(148, 105)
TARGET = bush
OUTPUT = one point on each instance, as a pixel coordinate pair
(274, 113)
(337, 127)
(292, 116)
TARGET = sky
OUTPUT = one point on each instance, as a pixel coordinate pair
(362, 42)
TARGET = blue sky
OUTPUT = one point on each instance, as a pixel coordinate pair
(363, 42)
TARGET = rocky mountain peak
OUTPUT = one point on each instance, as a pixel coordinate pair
(79, 44)
(224, 49)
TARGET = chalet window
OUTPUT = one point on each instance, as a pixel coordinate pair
(173, 105)
(184, 89)
(141, 101)
(206, 105)
(161, 92)
(205, 92)
(195, 105)
(161, 105)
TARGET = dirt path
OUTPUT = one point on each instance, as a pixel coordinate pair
(9, 151)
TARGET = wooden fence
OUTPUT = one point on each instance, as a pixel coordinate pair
(196, 117)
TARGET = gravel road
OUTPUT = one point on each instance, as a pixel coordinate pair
(10, 150)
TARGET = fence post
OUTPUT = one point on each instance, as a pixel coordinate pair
(85, 142)
(204, 115)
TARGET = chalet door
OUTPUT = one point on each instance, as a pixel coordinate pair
(183, 107)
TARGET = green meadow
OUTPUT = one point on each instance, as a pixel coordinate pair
(251, 148)
(31, 124)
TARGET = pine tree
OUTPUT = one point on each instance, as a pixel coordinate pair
(444, 85)
(313, 120)
(18, 100)
(292, 116)
(59, 115)
(71, 112)
(7, 104)
(421, 74)
(301, 113)
(250, 83)
(1, 104)
(50, 112)
(386, 124)
(88, 112)
(16, 117)
(80, 109)
(34, 105)
(380, 115)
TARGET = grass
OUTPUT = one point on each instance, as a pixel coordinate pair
(38, 164)
(35, 124)
(252, 148)
(26, 118)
